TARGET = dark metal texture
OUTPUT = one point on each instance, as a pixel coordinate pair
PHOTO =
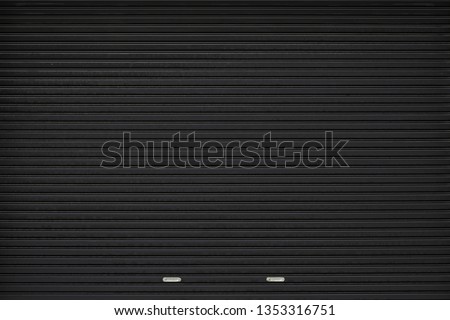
(74, 74)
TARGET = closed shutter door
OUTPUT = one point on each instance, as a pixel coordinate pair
(75, 74)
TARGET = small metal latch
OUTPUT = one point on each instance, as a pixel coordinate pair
(275, 279)
(171, 279)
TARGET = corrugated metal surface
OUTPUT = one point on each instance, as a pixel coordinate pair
(77, 73)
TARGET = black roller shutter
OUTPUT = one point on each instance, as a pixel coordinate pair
(77, 73)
